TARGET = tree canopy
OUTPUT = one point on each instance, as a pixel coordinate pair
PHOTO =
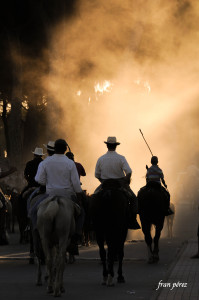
(24, 36)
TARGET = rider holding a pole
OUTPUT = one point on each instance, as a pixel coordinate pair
(155, 176)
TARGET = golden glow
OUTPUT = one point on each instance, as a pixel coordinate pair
(106, 86)
(25, 104)
(152, 59)
(143, 84)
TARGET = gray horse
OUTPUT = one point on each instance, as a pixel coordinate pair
(55, 226)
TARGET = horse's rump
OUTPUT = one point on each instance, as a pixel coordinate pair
(109, 207)
(152, 201)
(55, 217)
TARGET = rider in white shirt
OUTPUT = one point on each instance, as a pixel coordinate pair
(115, 166)
(112, 165)
(58, 173)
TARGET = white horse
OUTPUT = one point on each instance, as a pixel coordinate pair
(56, 225)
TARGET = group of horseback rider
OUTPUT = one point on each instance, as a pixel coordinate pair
(58, 174)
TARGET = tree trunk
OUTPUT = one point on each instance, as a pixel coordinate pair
(15, 125)
(15, 134)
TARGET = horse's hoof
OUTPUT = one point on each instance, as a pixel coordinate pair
(150, 260)
(71, 259)
(120, 279)
(155, 258)
(57, 294)
(31, 261)
(104, 280)
(49, 289)
(109, 281)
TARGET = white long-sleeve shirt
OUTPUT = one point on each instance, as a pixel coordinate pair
(112, 166)
(58, 173)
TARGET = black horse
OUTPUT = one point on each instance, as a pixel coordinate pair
(109, 216)
(153, 205)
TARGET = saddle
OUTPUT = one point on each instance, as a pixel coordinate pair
(110, 184)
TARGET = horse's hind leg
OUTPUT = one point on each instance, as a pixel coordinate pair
(60, 265)
(120, 278)
(38, 251)
(32, 253)
(102, 253)
(146, 228)
(49, 267)
(156, 241)
(156, 246)
(111, 257)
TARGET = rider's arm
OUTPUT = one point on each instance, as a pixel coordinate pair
(98, 171)
(80, 169)
(41, 174)
(126, 168)
(162, 179)
(75, 179)
(127, 178)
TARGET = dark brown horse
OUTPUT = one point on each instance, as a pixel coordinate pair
(109, 210)
(153, 204)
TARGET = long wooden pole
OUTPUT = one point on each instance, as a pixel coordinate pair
(146, 142)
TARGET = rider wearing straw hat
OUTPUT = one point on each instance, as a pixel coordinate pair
(59, 174)
(50, 147)
(32, 166)
(112, 165)
(115, 166)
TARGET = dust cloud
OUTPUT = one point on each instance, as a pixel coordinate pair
(147, 51)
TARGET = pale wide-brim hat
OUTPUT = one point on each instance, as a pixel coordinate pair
(112, 140)
(39, 151)
(50, 146)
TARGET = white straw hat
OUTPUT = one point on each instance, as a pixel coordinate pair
(112, 140)
(39, 151)
(50, 146)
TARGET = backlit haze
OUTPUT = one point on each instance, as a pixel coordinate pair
(120, 66)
